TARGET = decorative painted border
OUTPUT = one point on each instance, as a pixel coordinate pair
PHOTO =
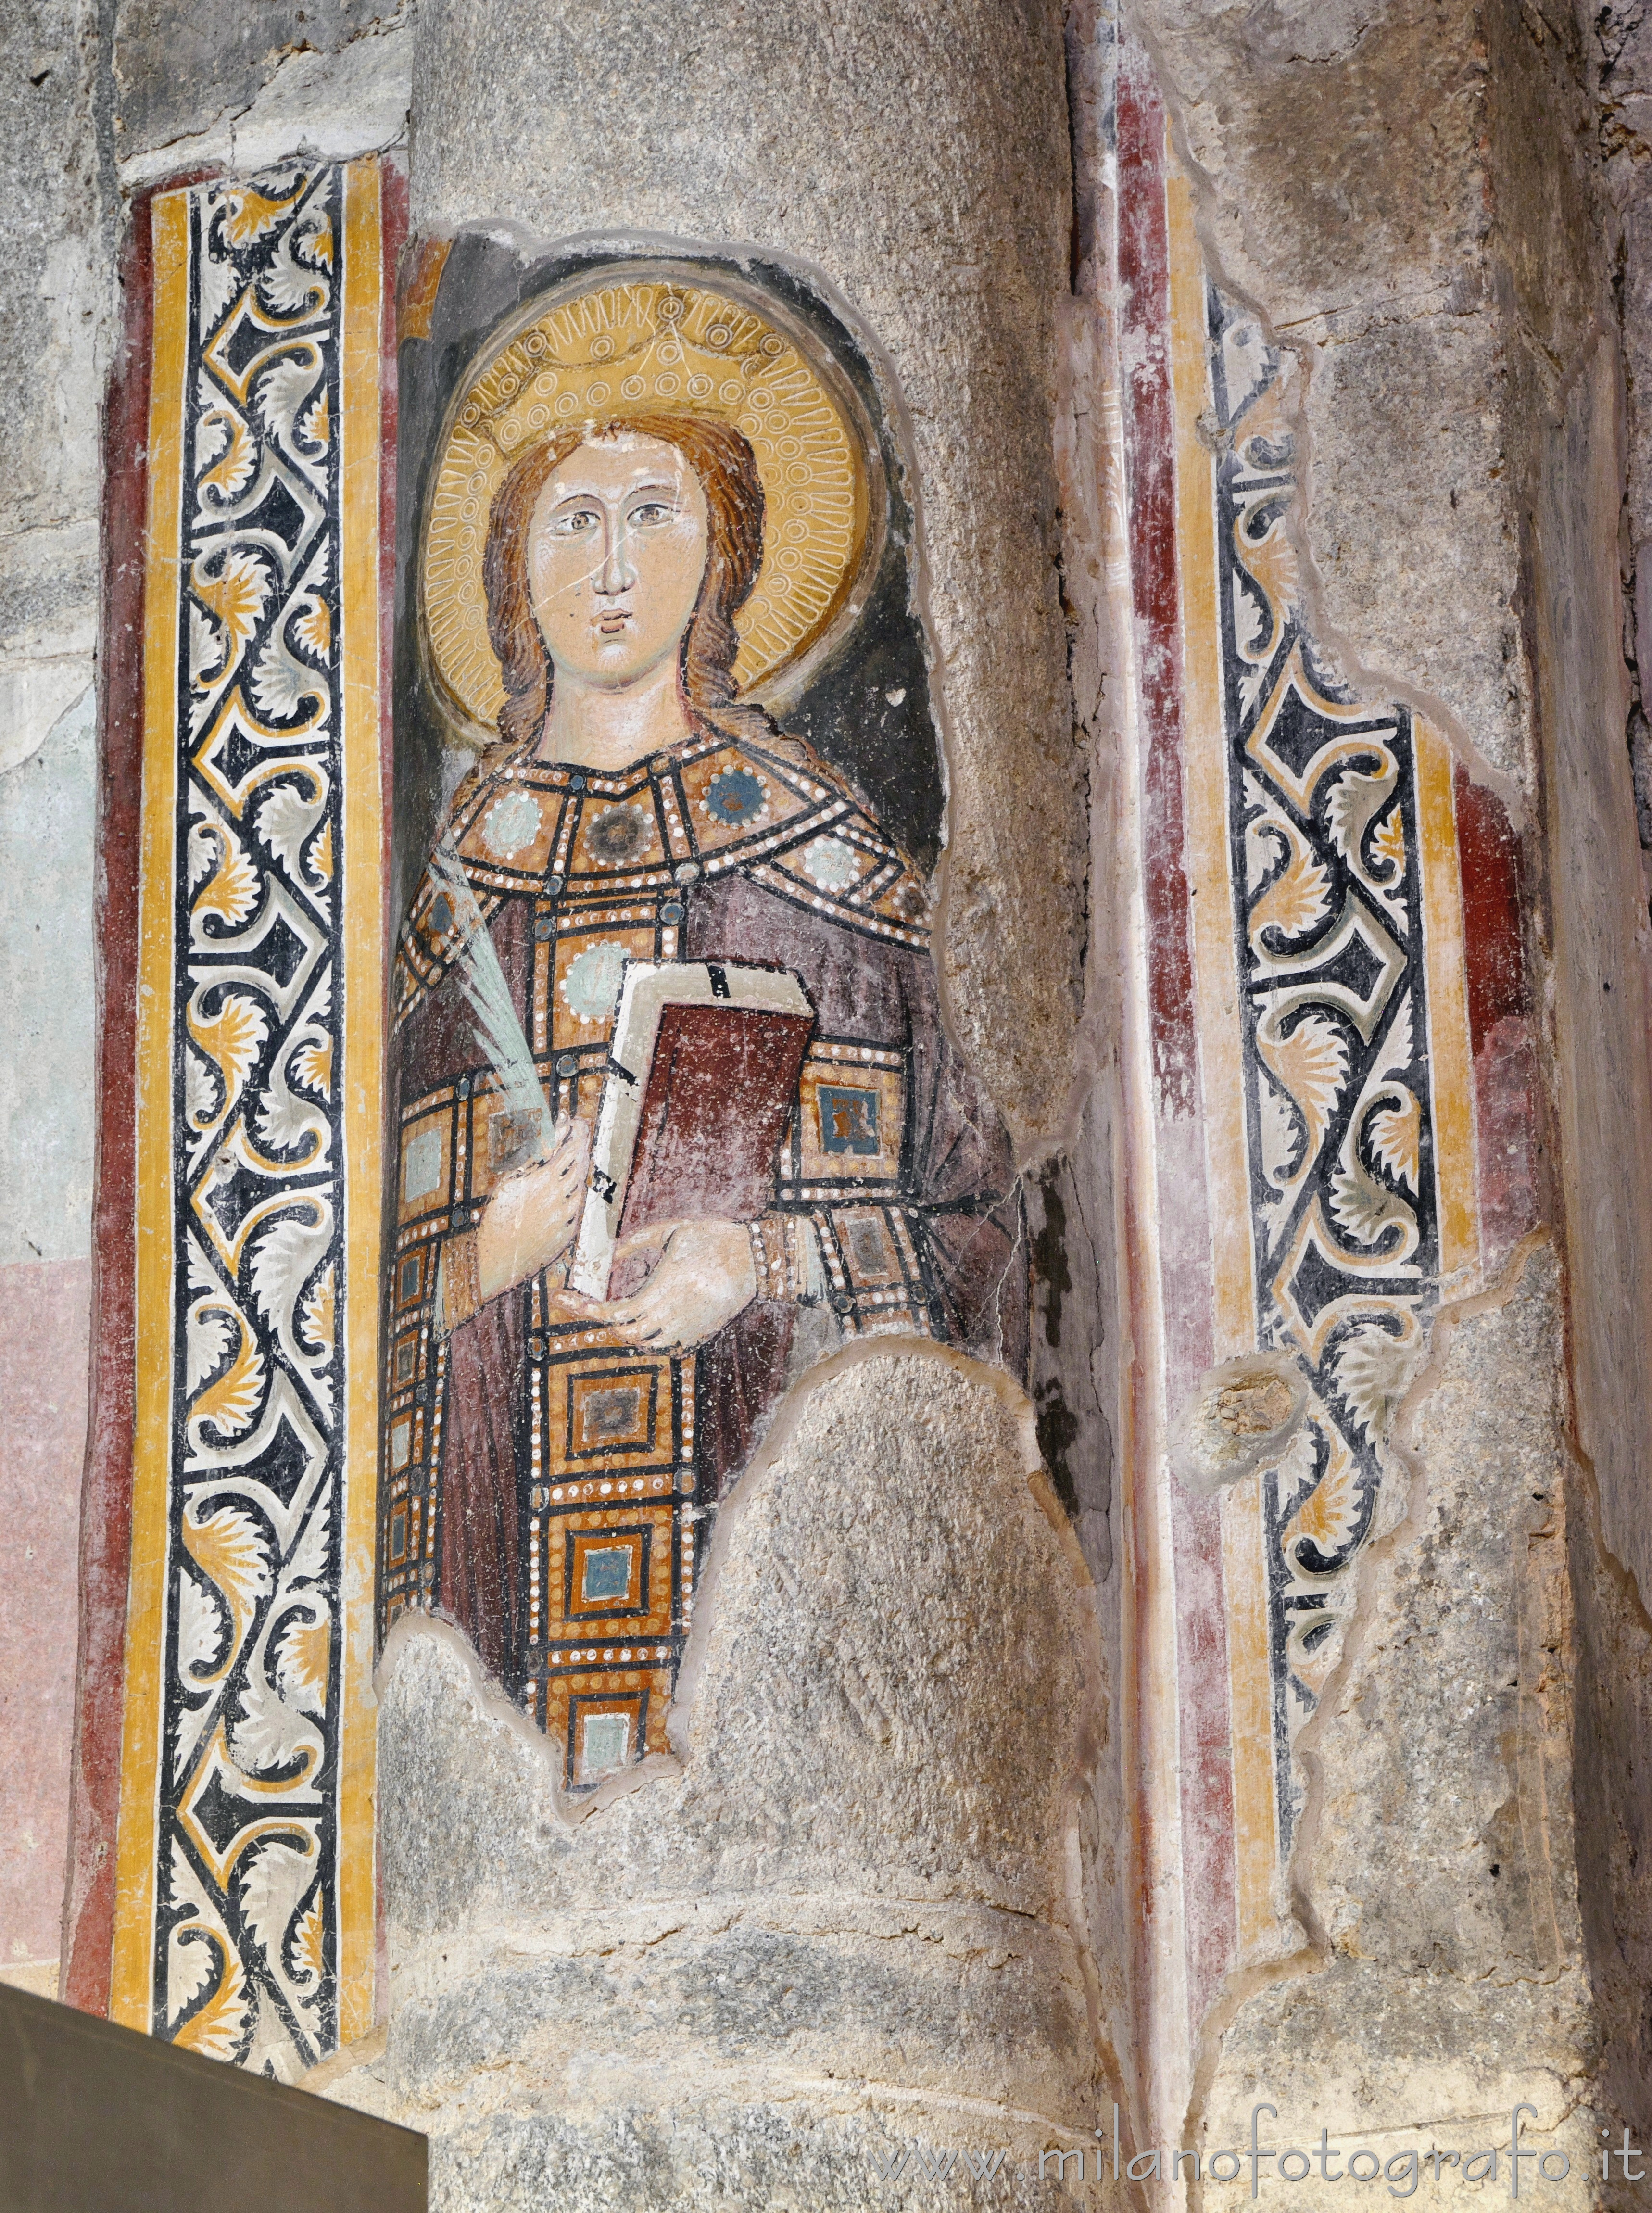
(1235, 886)
(243, 1921)
(1333, 1039)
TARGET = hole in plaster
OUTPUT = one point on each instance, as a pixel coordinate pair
(1240, 1417)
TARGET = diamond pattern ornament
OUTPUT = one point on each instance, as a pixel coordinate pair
(1322, 803)
(245, 1960)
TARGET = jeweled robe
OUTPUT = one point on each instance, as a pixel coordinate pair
(549, 1488)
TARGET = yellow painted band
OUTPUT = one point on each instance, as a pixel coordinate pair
(131, 1987)
(1250, 1679)
(1451, 1059)
(1250, 1704)
(362, 1028)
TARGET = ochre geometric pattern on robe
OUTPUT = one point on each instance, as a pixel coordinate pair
(550, 1489)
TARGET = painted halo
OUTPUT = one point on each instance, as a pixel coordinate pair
(652, 341)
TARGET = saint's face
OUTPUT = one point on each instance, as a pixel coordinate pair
(617, 548)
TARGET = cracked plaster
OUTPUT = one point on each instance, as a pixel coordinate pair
(848, 1913)
(1385, 181)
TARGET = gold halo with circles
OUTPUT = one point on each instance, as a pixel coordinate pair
(652, 343)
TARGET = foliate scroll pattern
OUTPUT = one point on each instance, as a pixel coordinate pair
(246, 1962)
(1322, 815)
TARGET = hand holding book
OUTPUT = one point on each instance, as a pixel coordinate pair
(705, 1276)
(703, 1078)
(681, 1167)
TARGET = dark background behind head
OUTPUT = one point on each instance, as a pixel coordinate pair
(867, 710)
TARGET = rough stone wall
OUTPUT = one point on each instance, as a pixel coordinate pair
(54, 323)
(1410, 193)
(1608, 1024)
(1602, 997)
(1622, 59)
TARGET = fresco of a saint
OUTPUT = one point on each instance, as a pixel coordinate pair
(552, 1460)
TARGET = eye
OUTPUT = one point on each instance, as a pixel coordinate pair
(650, 513)
(575, 522)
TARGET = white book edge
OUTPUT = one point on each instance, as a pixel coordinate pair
(650, 987)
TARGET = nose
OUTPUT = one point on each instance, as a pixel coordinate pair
(617, 574)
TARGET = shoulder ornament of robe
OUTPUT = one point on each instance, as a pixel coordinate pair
(797, 825)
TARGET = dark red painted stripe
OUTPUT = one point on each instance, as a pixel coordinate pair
(1207, 1808)
(1149, 460)
(1501, 1026)
(106, 1498)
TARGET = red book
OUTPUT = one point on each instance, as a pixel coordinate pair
(703, 1079)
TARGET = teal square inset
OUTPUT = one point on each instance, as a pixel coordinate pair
(607, 1574)
(849, 1119)
(604, 1742)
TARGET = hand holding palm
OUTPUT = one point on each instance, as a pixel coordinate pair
(530, 1221)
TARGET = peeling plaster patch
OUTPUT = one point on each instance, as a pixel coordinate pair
(329, 106)
(36, 698)
(47, 1085)
(1373, 272)
(1433, 1853)
(48, 590)
(58, 295)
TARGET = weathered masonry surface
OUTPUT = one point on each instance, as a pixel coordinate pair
(1105, 1566)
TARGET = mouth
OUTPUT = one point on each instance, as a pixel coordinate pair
(613, 622)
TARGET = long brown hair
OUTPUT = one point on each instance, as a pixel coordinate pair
(726, 466)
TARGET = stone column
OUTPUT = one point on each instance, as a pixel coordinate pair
(915, 157)
(849, 1924)
(850, 1913)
